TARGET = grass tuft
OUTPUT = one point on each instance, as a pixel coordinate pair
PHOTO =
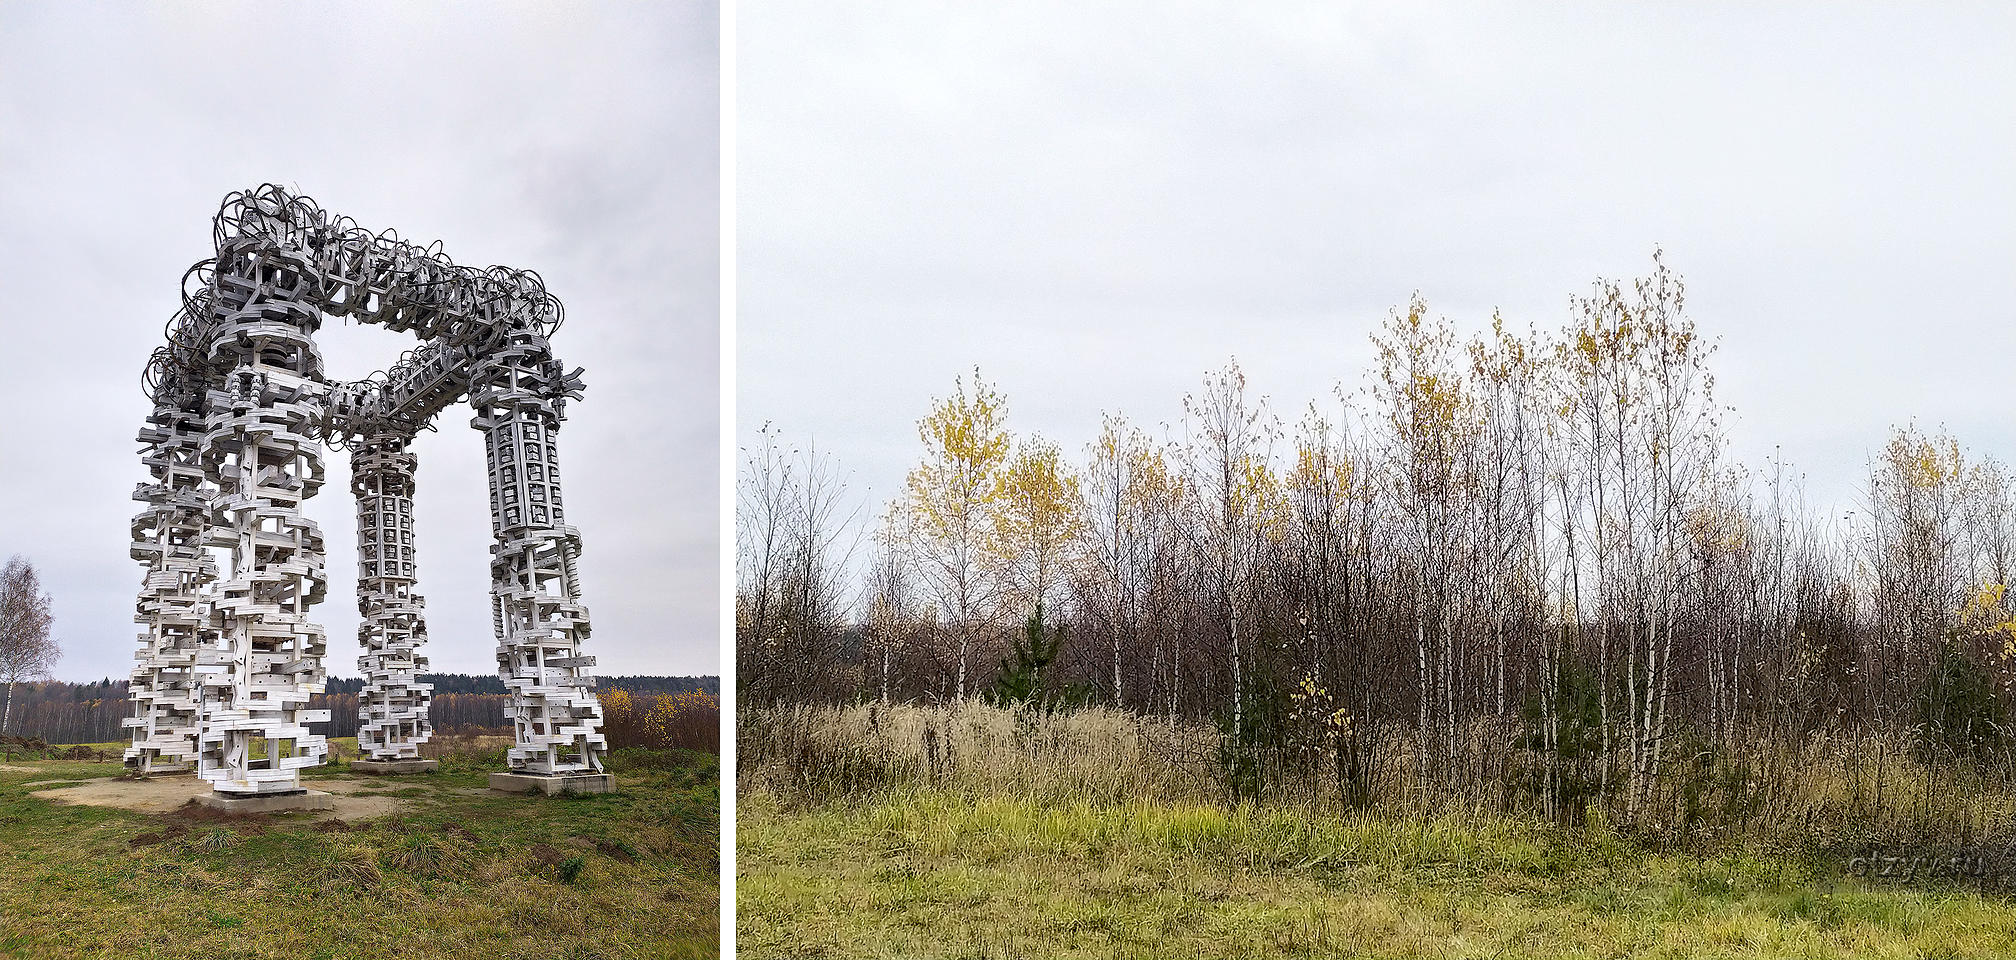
(356, 865)
(216, 838)
(426, 855)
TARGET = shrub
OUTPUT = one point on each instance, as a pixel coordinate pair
(1958, 710)
(683, 721)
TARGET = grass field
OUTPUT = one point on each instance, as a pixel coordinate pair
(1062, 838)
(946, 874)
(454, 871)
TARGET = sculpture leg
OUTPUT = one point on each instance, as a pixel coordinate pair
(168, 536)
(392, 709)
(268, 658)
(535, 585)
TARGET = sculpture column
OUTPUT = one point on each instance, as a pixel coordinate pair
(168, 536)
(392, 709)
(519, 394)
(258, 451)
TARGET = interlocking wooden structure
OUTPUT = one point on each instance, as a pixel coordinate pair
(241, 410)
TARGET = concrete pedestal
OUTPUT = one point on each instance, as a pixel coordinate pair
(267, 802)
(394, 766)
(553, 784)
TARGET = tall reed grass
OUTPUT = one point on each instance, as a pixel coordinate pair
(1847, 792)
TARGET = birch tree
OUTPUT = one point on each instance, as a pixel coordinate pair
(1122, 478)
(27, 647)
(1432, 427)
(890, 618)
(1226, 438)
(1037, 521)
(952, 496)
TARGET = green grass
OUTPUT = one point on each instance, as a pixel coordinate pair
(946, 873)
(459, 872)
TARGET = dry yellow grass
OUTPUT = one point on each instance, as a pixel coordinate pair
(1087, 754)
(1837, 790)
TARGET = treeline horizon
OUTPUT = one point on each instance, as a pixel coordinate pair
(1538, 535)
(59, 711)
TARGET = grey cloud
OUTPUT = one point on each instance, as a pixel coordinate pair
(1097, 203)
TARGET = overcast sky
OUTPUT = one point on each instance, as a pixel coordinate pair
(1098, 206)
(578, 141)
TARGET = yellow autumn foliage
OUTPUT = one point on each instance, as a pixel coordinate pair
(965, 443)
(1036, 512)
(664, 721)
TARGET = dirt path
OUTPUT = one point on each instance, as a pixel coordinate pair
(163, 794)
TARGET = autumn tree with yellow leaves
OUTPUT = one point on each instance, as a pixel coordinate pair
(1431, 428)
(1037, 523)
(952, 498)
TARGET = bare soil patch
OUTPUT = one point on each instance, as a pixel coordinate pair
(169, 794)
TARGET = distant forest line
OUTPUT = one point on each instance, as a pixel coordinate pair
(61, 712)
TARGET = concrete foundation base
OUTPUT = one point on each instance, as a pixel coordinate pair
(394, 766)
(267, 802)
(553, 784)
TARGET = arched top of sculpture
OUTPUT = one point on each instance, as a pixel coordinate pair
(378, 277)
(269, 237)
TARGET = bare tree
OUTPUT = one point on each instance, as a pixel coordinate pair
(890, 602)
(795, 533)
(1226, 453)
(763, 503)
(1123, 483)
(27, 647)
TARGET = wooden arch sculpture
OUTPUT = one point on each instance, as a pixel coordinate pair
(241, 409)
